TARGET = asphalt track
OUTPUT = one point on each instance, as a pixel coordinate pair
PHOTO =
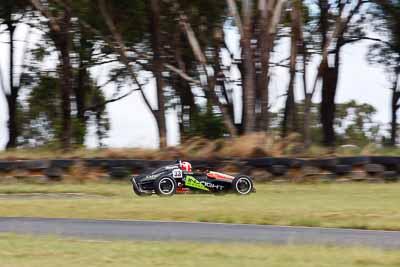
(200, 232)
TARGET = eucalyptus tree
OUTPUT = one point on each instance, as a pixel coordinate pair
(258, 23)
(337, 23)
(78, 51)
(59, 21)
(387, 53)
(12, 14)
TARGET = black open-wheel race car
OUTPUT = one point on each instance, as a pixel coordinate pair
(179, 178)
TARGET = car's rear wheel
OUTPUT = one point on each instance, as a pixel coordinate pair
(242, 185)
(165, 186)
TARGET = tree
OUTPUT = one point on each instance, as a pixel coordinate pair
(258, 24)
(211, 77)
(60, 27)
(332, 40)
(356, 123)
(387, 53)
(155, 31)
(122, 50)
(41, 118)
(12, 14)
(207, 19)
(142, 56)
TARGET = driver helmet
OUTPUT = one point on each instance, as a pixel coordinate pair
(185, 166)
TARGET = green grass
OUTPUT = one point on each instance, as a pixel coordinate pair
(29, 251)
(363, 206)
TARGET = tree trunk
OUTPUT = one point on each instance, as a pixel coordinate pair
(157, 71)
(243, 99)
(83, 77)
(307, 121)
(183, 88)
(330, 79)
(249, 90)
(63, 43)
(80, 93)
(228, 121)
(329, 74)
(307, 97)
(188, 109)
(265, 40)
(81, 89)
(249, 69)
(393, 124)
(289, 119)
(289, 123)
(395, 107)
(328, 106)
(12, 122)
(323, 72)
(323, 21)
(13, 95)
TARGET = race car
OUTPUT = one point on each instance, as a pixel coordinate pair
(179, 178)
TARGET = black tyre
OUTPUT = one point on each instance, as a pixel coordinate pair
(242, 185)
(165, 186)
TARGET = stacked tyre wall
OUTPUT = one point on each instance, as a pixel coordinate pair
(340, 169)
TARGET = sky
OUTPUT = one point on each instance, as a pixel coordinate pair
(132, 125)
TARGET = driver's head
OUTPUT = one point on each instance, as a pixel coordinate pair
(186, 166)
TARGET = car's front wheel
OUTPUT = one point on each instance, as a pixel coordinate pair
(165, 186)
(242, 185)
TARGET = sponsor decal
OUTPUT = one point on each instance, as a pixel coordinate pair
(193, 182)
(211, 185)
(218, 175)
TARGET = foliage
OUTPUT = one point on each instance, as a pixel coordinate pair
(207, 124)
(386, 21)
(354, 123)
(41, 122)
(93, 46)
(357, 123)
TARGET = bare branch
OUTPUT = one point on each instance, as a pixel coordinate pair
(112, 79)
(276, 18)
(351, 39)
(194, 43)
(182, 74)
(121, 50)
(340, 27)
(24, 56)
(96, 107)
(233, 11)
(211, 81)
(45, 13)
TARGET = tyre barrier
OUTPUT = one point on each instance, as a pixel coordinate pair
(360, 168)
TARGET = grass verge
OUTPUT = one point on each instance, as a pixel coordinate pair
(16, 250)
(362, 206)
